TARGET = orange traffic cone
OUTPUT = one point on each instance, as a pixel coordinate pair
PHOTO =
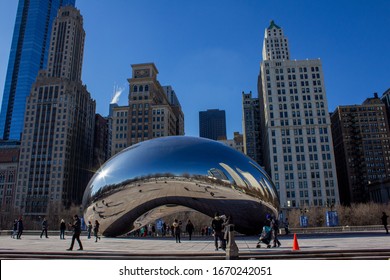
(295, 243)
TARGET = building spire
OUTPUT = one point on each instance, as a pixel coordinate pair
(273, 25)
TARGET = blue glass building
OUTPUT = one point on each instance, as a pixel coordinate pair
(29, 51)
(212, 124)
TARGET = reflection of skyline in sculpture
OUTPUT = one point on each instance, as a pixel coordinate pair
(155, 178)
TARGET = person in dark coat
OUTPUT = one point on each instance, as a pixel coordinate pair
(189, 229)
(20, 228)
(177, 230)
(62, 229)
(275, 231)
(89, 229)
(217, 226)
(76, 233)
(15, 229)
(286, 227)
(44, 227)
(96, 230)
(384, 221)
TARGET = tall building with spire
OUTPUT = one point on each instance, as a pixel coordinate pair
(295, 125)
(28, 55)
(57, 142)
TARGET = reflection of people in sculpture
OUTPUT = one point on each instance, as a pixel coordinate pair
(189, 229)
(217, 226)
(227, 220)
(177, 230)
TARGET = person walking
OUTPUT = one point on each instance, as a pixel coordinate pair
(15, 229)
(44, 228)
(189, 229)
(176, 230)
(89, 229)
(217, 226)
(384, 221)
(96, 230)
(76, 233)
(275, 231)
(20, 228)
(62, 229)
(286, 227)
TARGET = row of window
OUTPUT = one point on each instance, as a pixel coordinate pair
(140, 88)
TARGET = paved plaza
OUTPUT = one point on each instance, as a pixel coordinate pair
(199, 246)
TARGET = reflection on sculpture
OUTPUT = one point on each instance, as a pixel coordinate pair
(162, 176)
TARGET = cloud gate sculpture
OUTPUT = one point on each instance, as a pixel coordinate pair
(162, 176)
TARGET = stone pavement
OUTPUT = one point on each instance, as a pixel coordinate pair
(197, 246)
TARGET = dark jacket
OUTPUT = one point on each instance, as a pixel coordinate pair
(217, 225)
(62, 226)
(189, 227)
(384, 219)
(77, 226)
(20, 225)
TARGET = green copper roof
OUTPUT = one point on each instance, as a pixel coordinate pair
(273, 25)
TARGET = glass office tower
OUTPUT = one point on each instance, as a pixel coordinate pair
(29, 51)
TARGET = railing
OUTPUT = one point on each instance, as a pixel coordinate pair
(334, 229)
(292, 230)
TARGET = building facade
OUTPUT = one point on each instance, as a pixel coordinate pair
(9, 157)
(100, 142)
(176, 107)
(236, 143)
(251, 127)
(57, 142)
(212, 124)
(119, 128)
(29, 54)
(386, 100)
(362, 148)
(153, 111)
(295, 125)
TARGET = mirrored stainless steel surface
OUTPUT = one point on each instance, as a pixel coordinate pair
(162, 176)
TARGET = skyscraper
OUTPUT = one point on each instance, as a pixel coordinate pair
(29, 54)
(361, 139)
(212, 124)
(251, 127)
(295, 125)
(57, 143)
(153, 111)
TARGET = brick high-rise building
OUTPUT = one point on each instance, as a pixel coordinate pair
(9, 157)
(361, 140)
(295, 125)
(57, 140)
(153, 110)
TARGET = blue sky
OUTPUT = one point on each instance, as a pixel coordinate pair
(210, 51)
